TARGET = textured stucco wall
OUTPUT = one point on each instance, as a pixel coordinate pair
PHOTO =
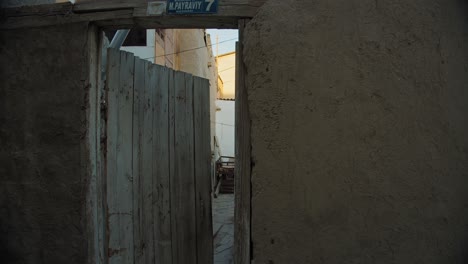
(42, 179)
(359, 131)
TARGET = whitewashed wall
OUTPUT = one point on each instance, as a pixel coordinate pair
(225, 126)
(227, 72)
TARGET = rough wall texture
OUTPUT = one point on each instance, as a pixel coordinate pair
(15, 3)
(359, 131)
(42, 189)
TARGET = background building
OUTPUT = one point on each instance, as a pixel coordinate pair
(227, 73)
(225, 104)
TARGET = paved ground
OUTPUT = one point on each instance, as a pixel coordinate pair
(223, 228)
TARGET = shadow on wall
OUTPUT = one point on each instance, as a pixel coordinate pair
(7, 253)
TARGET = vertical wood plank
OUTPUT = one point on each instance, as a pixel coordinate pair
(202, 158)
(91, 148)
(112, 217)
(161, 180)
(102, 150)
(146, 191)
(138, 88)
(172, 181)
(182, 182)
(243, 160)
(124, 179)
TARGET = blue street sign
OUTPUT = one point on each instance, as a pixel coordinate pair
(192, 6)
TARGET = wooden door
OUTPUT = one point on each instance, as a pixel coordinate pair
(158, 187)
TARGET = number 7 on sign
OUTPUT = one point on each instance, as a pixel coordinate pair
(209, 5)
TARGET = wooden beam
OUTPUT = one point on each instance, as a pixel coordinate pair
(89, 6)
(169, 22)
(119, 14)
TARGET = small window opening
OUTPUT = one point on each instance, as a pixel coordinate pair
(136, 37)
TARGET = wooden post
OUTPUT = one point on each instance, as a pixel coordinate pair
(243, 162)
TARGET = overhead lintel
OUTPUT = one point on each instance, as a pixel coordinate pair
(120, 14)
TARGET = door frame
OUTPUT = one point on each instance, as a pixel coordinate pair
(127, 14)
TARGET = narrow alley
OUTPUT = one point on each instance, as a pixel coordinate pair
(223, 228)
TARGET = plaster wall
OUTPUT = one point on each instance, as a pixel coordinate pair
(43, 173)
(359, 131)
(165, 48)
(225, 125)
(227, 72)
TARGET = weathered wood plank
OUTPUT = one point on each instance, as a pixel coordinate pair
(93, 196)
(101, 5)
(128, 14)
(113, 83)
(172, 155)
(102, 150)
(147, 164)
(202, 157)
(161, 172)
(124, 159)
(226, 8)
(243, 160)
(182, 181)
(138, 87)
(170, 22)
(29, 10)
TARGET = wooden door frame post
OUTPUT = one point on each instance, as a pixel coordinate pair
(242, 210)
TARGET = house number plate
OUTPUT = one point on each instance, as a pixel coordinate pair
(192, 6)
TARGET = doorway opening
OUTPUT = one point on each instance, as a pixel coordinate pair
(191, 51)
(224, 154)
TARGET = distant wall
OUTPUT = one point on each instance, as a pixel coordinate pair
(43, 178)
(165, 47)
(199, 62)
(227, 72)
(359, 131)
(225, 127)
